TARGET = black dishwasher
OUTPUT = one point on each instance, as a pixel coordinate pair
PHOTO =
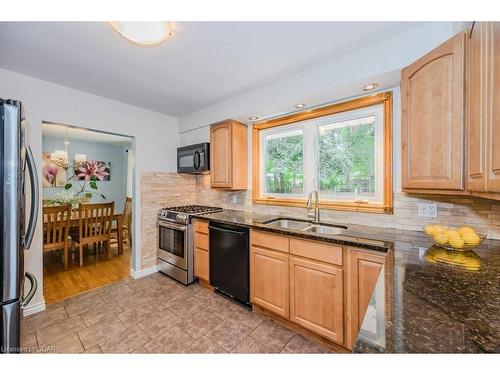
(229, 260)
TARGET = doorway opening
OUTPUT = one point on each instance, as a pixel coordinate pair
(88, 196)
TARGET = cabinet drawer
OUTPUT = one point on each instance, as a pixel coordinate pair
(270, 241)
(317, 250)
(201, 241)
(201, 264)
(201, 226)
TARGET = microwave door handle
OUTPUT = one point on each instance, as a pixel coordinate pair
(35, 198)
(196, 160)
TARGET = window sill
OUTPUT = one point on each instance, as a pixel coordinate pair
(376, 208)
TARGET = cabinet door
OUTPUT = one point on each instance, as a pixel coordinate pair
(221, 155)
(201, 251)
(493, 113)
(432, 92)
(476, 132)
(316, 298)
(201, 264)
(269, 286)
(363, 271)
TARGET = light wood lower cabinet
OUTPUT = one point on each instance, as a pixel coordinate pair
(316, 298)
(269, 280)
(363, 272)
(201, 251)
(324, 288)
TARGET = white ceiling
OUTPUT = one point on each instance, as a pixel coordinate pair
(50, 129)
(203, 63)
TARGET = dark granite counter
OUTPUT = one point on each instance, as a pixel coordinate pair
(427, 300)
(361, 236)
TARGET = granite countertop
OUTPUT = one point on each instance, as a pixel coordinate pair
(421, 302)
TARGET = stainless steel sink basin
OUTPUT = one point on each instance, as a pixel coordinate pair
(324, 229)
(288, 224)
(306, 226)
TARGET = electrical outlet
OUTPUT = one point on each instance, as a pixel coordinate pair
(427, 210)
(235, 199)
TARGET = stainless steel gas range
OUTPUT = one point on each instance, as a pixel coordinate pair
(175, 240)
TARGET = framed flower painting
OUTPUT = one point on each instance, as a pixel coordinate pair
(53, 170)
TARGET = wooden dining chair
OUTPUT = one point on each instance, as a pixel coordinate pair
(56, 221)
(127, 219)
(94, 226)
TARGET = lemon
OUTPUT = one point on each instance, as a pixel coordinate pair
(457, 242)
(464, 230)
(439, 228)
(471, 238)
(429, 229)
(453, 234)
(441, 238)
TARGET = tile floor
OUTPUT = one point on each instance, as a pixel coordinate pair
(156, 314)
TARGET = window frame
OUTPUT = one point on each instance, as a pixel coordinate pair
(386, 206)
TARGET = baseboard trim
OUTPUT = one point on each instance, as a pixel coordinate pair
(144, 272)
(35, 308)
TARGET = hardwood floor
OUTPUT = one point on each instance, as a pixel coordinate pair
(96, 272)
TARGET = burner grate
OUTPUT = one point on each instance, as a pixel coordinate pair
(193, 209)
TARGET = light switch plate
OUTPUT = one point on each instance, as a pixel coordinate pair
(427, 210)
(235, 199)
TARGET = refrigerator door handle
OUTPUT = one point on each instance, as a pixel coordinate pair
(33, 288)
(35, 199)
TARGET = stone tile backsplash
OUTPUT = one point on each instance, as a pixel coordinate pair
(160, 189)
(482, 214)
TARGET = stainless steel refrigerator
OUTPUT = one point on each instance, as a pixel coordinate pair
(16, 233)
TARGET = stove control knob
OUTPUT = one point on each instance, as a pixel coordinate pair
(181, 217)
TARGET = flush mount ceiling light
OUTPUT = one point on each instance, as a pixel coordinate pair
(253, 118)
(370, 86)
(143, 33)
(300, 105)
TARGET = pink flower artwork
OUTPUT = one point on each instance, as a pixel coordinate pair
(50, 173)
(92, 169)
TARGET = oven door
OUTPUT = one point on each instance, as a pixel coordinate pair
(172, 243)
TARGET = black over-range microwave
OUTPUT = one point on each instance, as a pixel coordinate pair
(194, 159)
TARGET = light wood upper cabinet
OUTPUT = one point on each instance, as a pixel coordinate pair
(483, 112)
(493, 108)
(432, 90)
(316, 297)
(269, 286)
(228, 155)
(363, 270)
(476, 131)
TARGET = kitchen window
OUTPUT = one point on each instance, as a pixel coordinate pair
(343, 150)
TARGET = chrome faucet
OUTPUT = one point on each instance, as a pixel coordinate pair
(316, 205)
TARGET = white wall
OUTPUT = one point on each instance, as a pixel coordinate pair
(331, 81)
(336, 80)
(156, 137)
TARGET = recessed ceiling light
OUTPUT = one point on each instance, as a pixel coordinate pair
(370, 86)
(253, 118)
(143, 33)
(301, 105)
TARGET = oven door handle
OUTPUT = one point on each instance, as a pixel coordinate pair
(172, 226)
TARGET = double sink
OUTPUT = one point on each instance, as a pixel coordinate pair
(305, 226)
